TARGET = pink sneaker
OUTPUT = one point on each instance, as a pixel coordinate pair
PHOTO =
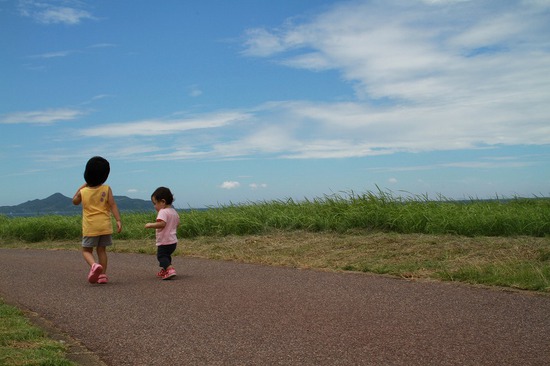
(161, 273)
(170, 272)
(95, 271)
(102, 279)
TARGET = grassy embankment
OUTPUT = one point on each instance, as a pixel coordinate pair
(496, 242)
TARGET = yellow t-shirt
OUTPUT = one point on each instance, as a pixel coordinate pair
(96, 211)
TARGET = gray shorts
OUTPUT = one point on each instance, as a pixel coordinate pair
(97, 241)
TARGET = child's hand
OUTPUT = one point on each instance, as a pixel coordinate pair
(119, 226)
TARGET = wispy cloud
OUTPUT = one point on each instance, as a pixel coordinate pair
(257, 185)
(421, 54)
(194, 91)
(486, 164)
(230, 185)
(54, 11)
(96, 98)
(260, 42)
(102, 45)
(66, 53)
(42, 117)
(155, 127)
(54, 54)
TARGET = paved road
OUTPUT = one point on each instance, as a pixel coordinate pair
(224, 313)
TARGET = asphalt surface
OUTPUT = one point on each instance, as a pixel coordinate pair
(225, 313)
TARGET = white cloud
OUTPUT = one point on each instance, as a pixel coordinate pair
(96, 98)
(54, 54)
(257, 185)
(53, 12)
(390, 58)
(42, 117)
(230, 185)
(260, 42)
(65, 53)
(419, 55)
(392, 181)
(195, 91)
(133, 150)
(305, 130)
(485, 164)
(63, 15)
(156, 127)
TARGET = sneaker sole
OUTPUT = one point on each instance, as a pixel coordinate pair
(169, 277)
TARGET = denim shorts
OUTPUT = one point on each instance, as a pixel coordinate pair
(97, 241)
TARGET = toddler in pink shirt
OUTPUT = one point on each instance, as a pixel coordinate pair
(166, 227)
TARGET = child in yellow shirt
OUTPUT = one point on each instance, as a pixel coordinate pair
(98, 204)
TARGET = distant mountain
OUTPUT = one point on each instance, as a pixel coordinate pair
(133, 204)
(58, 204)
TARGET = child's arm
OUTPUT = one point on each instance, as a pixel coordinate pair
(156, 225)
(77, 198)
(114, 210)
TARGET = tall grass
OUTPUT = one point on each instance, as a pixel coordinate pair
(382, 212)
(340, 213)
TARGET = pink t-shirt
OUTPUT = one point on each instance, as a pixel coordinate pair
(167, 235)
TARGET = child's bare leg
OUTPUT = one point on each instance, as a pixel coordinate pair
(88, 254)
(102, 257)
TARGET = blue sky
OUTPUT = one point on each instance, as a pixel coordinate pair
(252, 100)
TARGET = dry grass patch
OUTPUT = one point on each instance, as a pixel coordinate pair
(521, 262)
(518, 262)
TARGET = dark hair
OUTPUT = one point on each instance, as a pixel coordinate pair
(163, 193)
(97, 171)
